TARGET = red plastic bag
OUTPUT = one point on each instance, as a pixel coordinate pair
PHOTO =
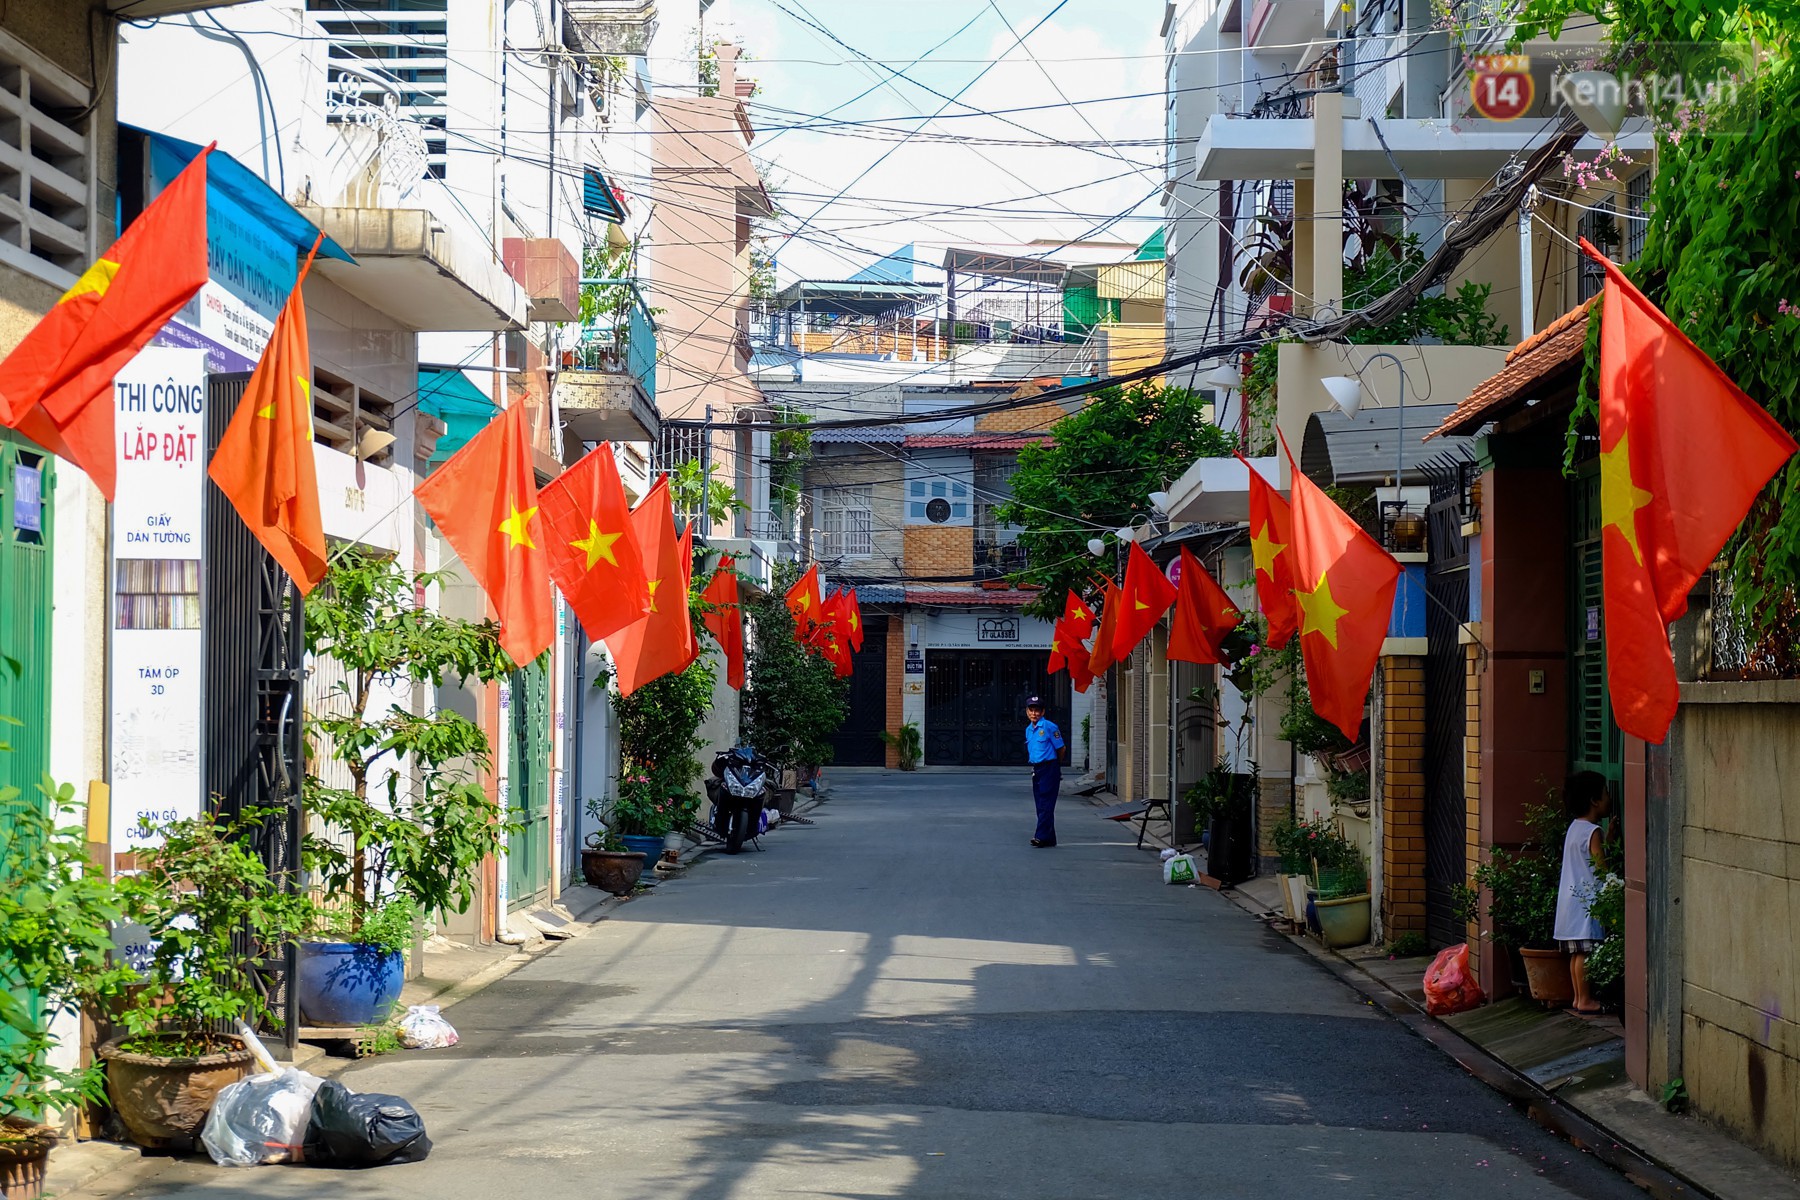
(1448, 985)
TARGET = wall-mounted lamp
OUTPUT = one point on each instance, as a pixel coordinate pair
(1346, 392)
(1225, 377)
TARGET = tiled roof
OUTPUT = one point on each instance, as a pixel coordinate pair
(975, 441)
(859, 435)
(1557, 347)
(1006, 596)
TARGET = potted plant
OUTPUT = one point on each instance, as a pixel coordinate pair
(907, 744)
(641, 815)
(606, 862)
(1341, 902)
(56, 915)
(1290, 846)
(793, 703)
(209, 910)
(385, 859)
(1520, 886)
(352, 964)
(1223, 802)
(659, 726)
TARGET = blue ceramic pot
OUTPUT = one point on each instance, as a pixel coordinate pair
(649, 847)
(344, 983)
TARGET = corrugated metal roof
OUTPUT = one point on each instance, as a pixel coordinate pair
(1365, 448)
(1007, 596)
(893, 434)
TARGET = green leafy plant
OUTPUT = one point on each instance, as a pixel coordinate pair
(605, 838)
(1341, 870)
(790, 450)
(793, 705)
(697, 492)
(1521, 884)
(57, 909)
(369, 844)
(1674, 1096)
(1411, 944)
(1101, 464)
(196, 894)
(1221, 792)
(909, 744)
(1348, 787)
(374, 1040)
(659, 726)
(387, 927)
(1295, 842)
(1606, 965)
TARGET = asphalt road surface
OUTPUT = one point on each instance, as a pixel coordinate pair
(908, 1000)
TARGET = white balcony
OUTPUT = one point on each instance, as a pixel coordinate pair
(1236, 147)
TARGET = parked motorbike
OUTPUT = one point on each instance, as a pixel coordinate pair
(741, 789)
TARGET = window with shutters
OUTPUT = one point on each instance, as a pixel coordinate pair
(1637, 211)
(845, 522)
(47, 225)
(1595, 743)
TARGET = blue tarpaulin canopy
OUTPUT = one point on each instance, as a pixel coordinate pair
(449, 396)
(231, 178)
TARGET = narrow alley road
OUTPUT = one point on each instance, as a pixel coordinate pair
(907, 1000)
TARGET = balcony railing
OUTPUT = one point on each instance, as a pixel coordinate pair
(620, 338)
(997, 560)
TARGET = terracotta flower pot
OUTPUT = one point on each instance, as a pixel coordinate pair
(164, 1101)
(612, 871)
(24, 1154)
(1547, 975)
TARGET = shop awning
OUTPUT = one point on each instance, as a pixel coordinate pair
(452, 398)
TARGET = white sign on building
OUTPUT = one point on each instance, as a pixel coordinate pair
(157, 653)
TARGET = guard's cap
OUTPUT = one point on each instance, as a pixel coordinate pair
(1033, 702)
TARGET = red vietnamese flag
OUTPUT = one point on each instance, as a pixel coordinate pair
(1204, 614)
(1061, 645)
(662, 641)
(1147, 595)
(853, 612)
(485, 503)
(1079, 674)
(56, 387)
(725, 619)
(1683, 454)
(834, 632)
(1271, 541)
(264, 463)
(804, 601)
(594, 557)
(684, 550)
(1346, 610)
(1101, 656)
(1078, 615)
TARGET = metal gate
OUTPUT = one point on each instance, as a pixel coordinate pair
(857, 742)
(528, 849)
(1446, 608)
(253, 669)
(975, 704)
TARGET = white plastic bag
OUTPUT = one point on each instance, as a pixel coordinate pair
(423, 1029)
(261, 1119)
(1180, 869)
(1168, 853)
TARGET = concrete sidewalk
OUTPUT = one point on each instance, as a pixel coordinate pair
(1565, 1062)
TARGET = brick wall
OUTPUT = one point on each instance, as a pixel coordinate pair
(940, 550)
(896, 673)
(1472, 782)
(1033, 418)
(1403, 794)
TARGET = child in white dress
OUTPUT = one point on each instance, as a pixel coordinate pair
(1587, 802)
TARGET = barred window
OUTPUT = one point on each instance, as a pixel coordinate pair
(46, 167)
(1637, 203)
(846, 522)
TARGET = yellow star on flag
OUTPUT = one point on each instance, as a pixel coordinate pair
(653, 586)
(96, 278)
(1056, 645)
(1263, 549)
(1319, 613)
(267, 411)
(1620, 496)
(597, 545)
(855, 622)
(518, 527)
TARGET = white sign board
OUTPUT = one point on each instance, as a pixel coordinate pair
(158, 532)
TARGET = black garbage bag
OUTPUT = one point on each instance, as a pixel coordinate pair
(363, 1129)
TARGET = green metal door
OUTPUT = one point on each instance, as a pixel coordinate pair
(528, 850)
(26, 480)
(1595, 743)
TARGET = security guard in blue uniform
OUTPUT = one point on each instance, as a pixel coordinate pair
(1044, 747)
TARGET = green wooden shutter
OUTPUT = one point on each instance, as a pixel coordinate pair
(1595, 743)
(528, 850)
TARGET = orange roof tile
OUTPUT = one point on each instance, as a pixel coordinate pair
(1556, 347)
